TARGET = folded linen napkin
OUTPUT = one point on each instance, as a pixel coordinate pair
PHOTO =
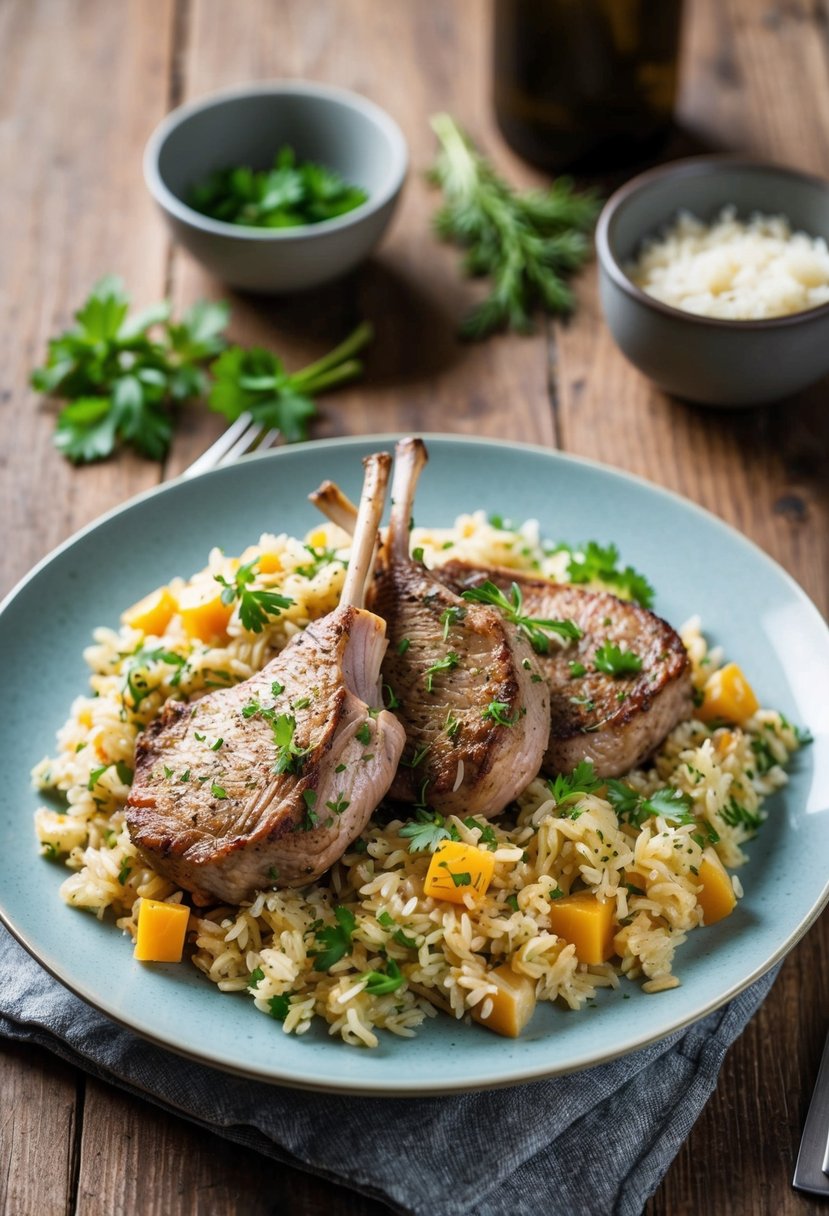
(507, 1152)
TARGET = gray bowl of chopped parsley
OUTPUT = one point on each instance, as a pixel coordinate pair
(277, 187)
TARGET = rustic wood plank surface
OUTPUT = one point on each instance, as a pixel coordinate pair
(83, 84)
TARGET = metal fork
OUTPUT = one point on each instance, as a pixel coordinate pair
(243, 435)
(812, 1170)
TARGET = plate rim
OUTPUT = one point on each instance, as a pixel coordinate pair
(397, 1085)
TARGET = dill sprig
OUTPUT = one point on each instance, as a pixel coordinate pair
(524, 242)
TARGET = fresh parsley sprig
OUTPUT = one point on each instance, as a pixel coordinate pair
(427, 830)
(123, 376)
(634, 808)
(256, 605)
(256, 381)
(595, 563)
(535, 628)
(568, 787)
(524, 243)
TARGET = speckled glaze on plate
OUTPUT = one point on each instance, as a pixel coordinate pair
(697, 564)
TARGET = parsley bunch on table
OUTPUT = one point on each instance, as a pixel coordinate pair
(255, 381)
(122, 375)
(525, 243)
(288, 194)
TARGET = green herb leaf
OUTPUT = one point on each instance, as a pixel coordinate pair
(536, 629)
(256, 605)
(284, 196)
(334, 940)
(567, 787)
(122, 377)
(425, 831)
(599, 564)
(613, 661)
(382, 982)
(255, 381)
(524, 243)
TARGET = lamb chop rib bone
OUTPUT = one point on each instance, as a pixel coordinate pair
(614, 723)
(476, 722)
(301, 765)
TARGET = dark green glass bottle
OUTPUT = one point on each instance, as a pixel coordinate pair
(587, 84)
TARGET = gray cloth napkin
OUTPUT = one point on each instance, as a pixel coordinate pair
(591, 1143)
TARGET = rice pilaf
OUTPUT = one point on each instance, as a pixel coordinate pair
(365, 948)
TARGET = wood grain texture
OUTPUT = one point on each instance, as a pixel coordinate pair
(75, 208)
(39, 1132)
(756, 78)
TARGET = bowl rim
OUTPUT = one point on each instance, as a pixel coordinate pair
(688, 167)
(283, 87)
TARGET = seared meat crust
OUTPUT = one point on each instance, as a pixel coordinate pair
(460, 678)
(614, 721)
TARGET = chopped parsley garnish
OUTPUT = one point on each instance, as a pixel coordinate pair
(277, 689)
(568, 786)
(392, 702)
(512, 900)
(255, 976)
(363, 735)
(634, 808)
(125, 774)
(218, 791)
(595, 563)
(417, 553)
(379, 983)
(334, 941)
(255, 606)
(321, 557)
(461, 879)
(426, 831)
(496, 711)
(214, 747)
(135, 682)
(736, 815)
(613, 661)
(289, 756)
(577, 669)
(338, 805)
(309, 797)
(449, 617)
(487, 836)
(403, 645)
(447, 664)
(289, 193)
(125, 871)
(535, 628)
(278, 1006)
(452, 725)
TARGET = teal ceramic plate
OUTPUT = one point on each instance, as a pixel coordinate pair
(698, 565)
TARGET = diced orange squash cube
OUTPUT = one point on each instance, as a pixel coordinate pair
(161, 930)
(585, 921)
(203, 613)
(512, 1006)
(457, 869)
(716, 898)
(153, 614)
(268, 563)
(728, 694)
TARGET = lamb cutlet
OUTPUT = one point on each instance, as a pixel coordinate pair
(460, 679)
(616, 692)
(268, 782)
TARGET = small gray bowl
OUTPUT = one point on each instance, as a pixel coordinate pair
(247, 126)
(707, 359)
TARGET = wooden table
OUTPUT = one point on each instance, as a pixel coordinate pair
(82, 85)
